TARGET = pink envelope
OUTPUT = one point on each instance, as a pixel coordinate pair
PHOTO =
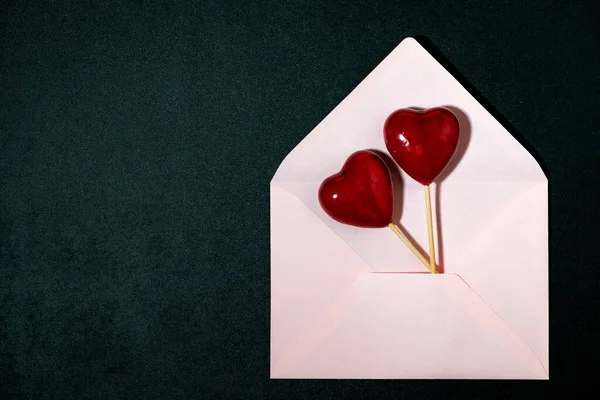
(350, 302)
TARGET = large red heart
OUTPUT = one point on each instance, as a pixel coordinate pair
(361, 194)
(422, 142)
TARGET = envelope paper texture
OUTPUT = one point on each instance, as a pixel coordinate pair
(351, 302)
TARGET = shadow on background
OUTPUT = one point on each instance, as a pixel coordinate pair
(439, 56)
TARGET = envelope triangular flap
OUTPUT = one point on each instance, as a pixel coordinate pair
(409, 77)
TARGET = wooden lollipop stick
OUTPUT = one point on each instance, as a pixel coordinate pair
(430, 229)
(411, 247)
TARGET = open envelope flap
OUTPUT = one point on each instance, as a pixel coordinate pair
(408, 77)
(508, 268)
(412, 326)
(310, 267)
(493, 169)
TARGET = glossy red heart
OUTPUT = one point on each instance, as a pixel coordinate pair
(422, 142)
(361, 194)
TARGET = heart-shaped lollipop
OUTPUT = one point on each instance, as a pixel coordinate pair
(362, 195)
(422, 142)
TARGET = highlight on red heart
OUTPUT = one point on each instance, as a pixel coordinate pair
(361, 194)
(422, 142)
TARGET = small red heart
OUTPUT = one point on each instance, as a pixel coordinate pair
(361, 194)
(422, 142)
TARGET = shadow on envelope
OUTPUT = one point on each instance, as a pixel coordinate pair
(398, 185)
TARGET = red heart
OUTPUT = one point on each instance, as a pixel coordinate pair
(422, 142)
(361, 194)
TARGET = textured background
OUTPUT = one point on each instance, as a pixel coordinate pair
(137, 142)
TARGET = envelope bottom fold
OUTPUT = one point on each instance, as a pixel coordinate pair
(407, 326)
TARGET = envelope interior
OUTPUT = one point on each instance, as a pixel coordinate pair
(464, 211)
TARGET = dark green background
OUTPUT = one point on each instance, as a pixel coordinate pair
(137, 142)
